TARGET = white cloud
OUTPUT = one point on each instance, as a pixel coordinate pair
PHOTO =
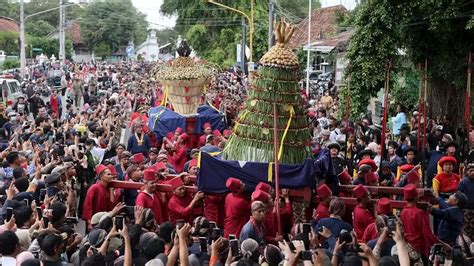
(152, 11)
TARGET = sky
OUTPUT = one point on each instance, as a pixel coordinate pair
(158, 21)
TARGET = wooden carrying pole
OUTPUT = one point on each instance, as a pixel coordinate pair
(277, 170)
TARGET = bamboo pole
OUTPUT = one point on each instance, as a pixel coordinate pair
(468, 99)
(277, 170)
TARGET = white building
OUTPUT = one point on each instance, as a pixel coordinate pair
(150, 50)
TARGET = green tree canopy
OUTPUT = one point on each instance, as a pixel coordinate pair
(114, 22)
(434, 30)
(38, 28)
(9, 42)
(214, 32)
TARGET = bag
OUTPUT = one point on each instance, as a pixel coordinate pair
(464, 242)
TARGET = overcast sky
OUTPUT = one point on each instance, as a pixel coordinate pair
(156, 20)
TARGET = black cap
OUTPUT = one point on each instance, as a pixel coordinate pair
(410, 148)
(462, 199)
(366, 152)
(52, 179)
(334, 146)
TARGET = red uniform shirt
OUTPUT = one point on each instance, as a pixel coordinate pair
(445, 183)
(178, 159)
(202, 140)
(214, 208)
(271, 222)
(322, 211)
(237, 213)
(362, 219)
(178, 208)
(370, 233)
(417, 229)
(97, 200)
(152, 202)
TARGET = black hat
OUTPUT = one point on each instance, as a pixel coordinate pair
(334, 146)
(366, 152)
(409, 148)
(393, 144)
(451, 144)
(52, 179)
(462, 198)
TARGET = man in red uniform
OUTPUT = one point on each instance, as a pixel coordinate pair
(237, 207)
(207, 131)
(325, 196)
(181, 204)
(178, 156)
(214, 205)
(98, 197)
(149, 198)
(416, 223)
(383, 208)
(138, 159)
(363, 215)
(447, 181)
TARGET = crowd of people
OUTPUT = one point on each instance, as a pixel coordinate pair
(63, 155)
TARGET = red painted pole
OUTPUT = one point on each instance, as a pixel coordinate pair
(468, 98)
(385, 110)
(277, 172)
(420, 115)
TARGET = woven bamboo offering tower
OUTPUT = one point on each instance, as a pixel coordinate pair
(184, 81)
(276, 81)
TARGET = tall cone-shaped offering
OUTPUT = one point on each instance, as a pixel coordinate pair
(184, 81)
(275, 82)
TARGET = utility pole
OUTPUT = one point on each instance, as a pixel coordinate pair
(22, 40)
(309, 52)
(61, 55)
(243, 44)
(271, 18)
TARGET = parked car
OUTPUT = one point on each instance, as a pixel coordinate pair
(10, 90)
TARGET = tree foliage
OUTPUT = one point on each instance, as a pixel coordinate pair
(9, 42)
(50, 46)
(214, 32)
(115, 22)
(38, 28)
(10, 64)
(424, 29)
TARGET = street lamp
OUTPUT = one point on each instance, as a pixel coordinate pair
(22, 32)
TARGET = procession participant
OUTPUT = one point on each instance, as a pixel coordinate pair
(178, 156)
(194, 155)
(122, 167)
(394, 160)
(383, 208)
(255, 228)
(133, 174)
(119, 149)
(416, 224)
(209, 147)
(324, 142)
(466, 186)
(363, 215)
(237, 207)
(386, 176)
(181, 205)
(139, 141)
(447, 181)
(371, 179)
(98, 196)
(364, 169)
(325, 196)
(207, 131)
(152, 156)
(138, 160)
(338, 162)
(149, 197)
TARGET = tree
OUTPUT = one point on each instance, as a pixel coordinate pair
(50, 46)
(295, 10)
(9, 42)
(102, 50)
(165, 36)
(38, 28)
(434, 30)
(10, 64)
(214, 32)
(115, 22)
